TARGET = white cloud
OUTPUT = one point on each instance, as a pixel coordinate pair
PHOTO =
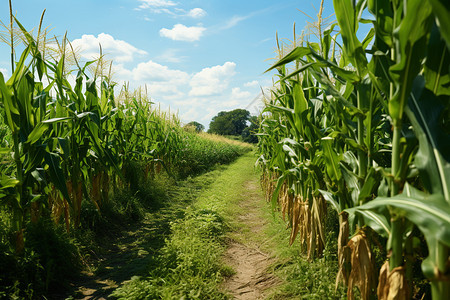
(211, 81)
(117, 50)
(155, 3)
(253, 83)
(192, 114)
(180, 32)
(196, 13)
(237, 94)
(177, 89)
(170, 7)
(156, 72)
(160, 80)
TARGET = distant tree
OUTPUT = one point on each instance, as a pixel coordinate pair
(248, 134)
(198, 127)
(229, 122)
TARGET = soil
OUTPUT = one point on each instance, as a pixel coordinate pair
(253, 278)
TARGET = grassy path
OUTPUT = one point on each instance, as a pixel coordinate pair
(244, 253)
(213, 237)
(236, 196)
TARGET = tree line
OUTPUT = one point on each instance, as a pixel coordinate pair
(237, 122)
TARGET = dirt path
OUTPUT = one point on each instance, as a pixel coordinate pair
(252, 279)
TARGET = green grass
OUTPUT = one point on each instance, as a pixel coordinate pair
(189, 265)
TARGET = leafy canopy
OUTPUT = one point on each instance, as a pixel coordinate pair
(229, 122)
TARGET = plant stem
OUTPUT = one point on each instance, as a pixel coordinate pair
(396, 231)
(12, 36)
(362, 156)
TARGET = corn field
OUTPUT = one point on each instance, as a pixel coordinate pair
(361, 124)
(63, 143)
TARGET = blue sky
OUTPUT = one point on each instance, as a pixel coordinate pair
(197, 57)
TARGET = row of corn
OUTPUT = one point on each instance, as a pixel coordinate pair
(362, 124)
(64, 143)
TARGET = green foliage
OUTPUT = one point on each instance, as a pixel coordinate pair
(50, 260)
(198, 127)
(188, 266)
(229, 123)
(248, 134)
(358, 129)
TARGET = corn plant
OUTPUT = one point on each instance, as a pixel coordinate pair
(339, 126)
(70, 143)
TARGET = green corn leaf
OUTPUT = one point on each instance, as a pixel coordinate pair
(329, 197)
(8, 182)
(35, 158)
(369, 37)
(348, 22)
(39, 176)
(8, 104)
(441, 10)
(294, 144)
(411, 44)
(299, 70)
(276, 192)
(371, 183)
(295, 54)
(56, 120)
(352, 182)
(56, 173)
(300, 103)
(289, 151)
(437, 71)
(20, 67)
(382, 10)
(332, 160)
(5, 150)
(378, 221)
(37, 133)
(343, 73)
(433, 157)
(326, 40)
(429, 213)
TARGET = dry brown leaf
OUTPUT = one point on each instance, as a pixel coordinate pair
(95, 191)
(295, 220)
(392, 285)
(343, 250)
(361, 274)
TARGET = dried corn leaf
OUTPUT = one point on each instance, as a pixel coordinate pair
(343, 251)
(295, 220)
(392, 285)
(361, 274)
